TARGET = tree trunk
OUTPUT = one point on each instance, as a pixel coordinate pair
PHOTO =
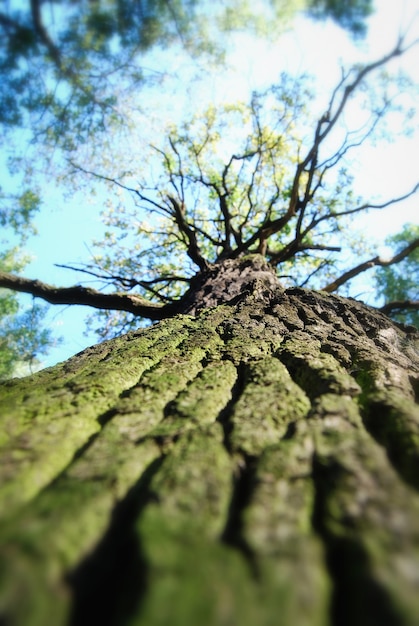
(254, 464)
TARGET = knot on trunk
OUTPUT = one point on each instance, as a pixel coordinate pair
(230, 280)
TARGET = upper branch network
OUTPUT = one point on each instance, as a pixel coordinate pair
(257, 178)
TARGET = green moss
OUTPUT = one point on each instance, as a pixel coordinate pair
(393, 419)
(201, 402)
(315, 371)
(368, 517)
(277, 527)
(193, 486)
(193, 578)
(65, 523)
(201, 582)
(269, 403)
(46, 424)
(390, 412)
(248, 336)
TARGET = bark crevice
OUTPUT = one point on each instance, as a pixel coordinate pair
(357, 597)
(109, 584)
(224, 417)
(232, 534)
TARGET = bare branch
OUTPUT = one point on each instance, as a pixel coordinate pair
(324, 263)
(181, 192)
(331, 117)
(362, 207)
(108, 179)
(88, 297)
(153, 286)
(193, 250)
(129, 283)
(175, 210)
(366, 265)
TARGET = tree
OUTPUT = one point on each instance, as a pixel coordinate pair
(23, 338)
(252, 458)
(399, 282)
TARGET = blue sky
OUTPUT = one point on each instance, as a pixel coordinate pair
(67, 225)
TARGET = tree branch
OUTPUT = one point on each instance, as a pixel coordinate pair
(43, 35)
(309, 163)
(125, 282)
(315, 221)
(399, 305)
(193, 250)
(88, 297)
(366, 265)
(294, 247)
(331, 117)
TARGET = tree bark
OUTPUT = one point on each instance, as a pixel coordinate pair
(255, 463)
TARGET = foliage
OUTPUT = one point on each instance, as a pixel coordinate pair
(400, 282)
(17, 212)
(350, 15)
(61, 62)
(23, 339)
(59, 58)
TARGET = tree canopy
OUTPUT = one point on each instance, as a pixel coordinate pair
(60, 61)
(270, 175)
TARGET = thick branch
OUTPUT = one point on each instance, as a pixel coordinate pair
(43, 34)
(400, 305)
(366, 265)
(88, 297)
(294, 247)
(193, 250)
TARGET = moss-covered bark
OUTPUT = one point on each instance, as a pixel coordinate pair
(256, 464)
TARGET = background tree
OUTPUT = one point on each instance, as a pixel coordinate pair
(59, 60)
(23, 337)
(399, 282)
